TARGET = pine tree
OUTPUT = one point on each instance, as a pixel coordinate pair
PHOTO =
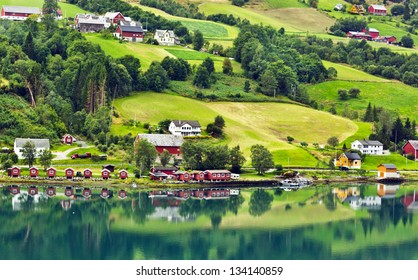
(368, 116)
(29, 47)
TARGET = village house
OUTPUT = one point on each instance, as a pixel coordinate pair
(158, 176)
(359, 35)
(123, 174)
(165, 37)
(410, 148)
(51, 172)
(33, 172)
(166, 170)
(89, 23)
(182, 175)
(132, 33)
(114, 17)
(387, 171)
(357, 9)
(184, 128)
(13, 172)
(40, 145)
(348, 160)
(19, 12)
(377, 10)
(68, 139)
(161, 142)
(368, 147)
(217, 175)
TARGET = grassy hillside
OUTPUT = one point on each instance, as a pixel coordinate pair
(246, 123)
(394, 96)
(347, 73)
(68, 10)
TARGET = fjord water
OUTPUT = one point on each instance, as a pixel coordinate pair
(318, 223)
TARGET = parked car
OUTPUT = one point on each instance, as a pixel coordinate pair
(85, 155)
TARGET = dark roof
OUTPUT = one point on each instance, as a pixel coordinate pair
(163, 140)
(370, 142)
(166, 168)
(180, 123)
(352, 156)
(158, 174)
(22, 9)
(129, 28)
(389, 165)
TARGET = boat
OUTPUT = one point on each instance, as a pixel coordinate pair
(158, 194)
(289, 183)
(134, 185)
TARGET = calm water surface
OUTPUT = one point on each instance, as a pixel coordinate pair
(322, 222)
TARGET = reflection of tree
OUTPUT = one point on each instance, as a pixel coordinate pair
(215, 220)
(260, 202)
(329, 200)
(235, 202)
(142, 207)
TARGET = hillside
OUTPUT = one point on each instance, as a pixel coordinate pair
(68, 10)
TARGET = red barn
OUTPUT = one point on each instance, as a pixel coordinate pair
(105, 174)
(14, 190)
(183, 176)
(33, 172)
(411, 148)
(130, 33)
(18, 12)
(51, 172)
(69, 173)
(377, 10)
(14, 171)
(86, 193)
(123, 174)
(218, 175)
(114, 17)
(161, 142)
(374, 32)
(69, 191)
(198, 175)
(32, 191)
(68, 139)
(50, 191)
(87, 173)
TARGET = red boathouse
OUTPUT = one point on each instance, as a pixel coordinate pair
(69, 173)
(123, 174)
(33, 172)
(217, 175)
(51, 172)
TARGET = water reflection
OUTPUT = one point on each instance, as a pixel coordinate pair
(318, 224)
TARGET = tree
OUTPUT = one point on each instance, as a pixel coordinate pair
(132, 65)
(237, 159)
(354, 92)
(407, 41)
(247, 86)
(209, 65)
(30, 72)
(164, 124)
(333, 141)
(198, 40)
(165, 157)
(50, 7)
(290, 139)
(342, 93)
(45, 158)
(29, 153)
(261, 159)
(201, 79)
(145, 155)
(219, 122)
(397, 10)
(157, 77)
(368, 116)
(260, 202)
(227, 66)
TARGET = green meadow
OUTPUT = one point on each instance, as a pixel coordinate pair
(347, 73)
(394, 96)
(68, 10)
(276, 4)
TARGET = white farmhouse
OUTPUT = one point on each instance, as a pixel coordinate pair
(40, 144)
(165, 37)
(368, 147)
(184, 128)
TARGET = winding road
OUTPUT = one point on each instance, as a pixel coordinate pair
(64, 154)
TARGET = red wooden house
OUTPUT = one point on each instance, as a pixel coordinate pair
(377, 10)
(114, 17)
(66, 204)
(69, 191)
(183, 175)
(68, 139)
(130, 33)
(105, 174)
(50, 191)
(69, 173)
(217, 175)
(161, 142)
(14, 190)
(411, 148)
(165, 169)
(86, 193)
(18, 12)
(182, 194)
(33, 171)
(14, 171)
(123, 174)
(198, 193)
(87, 173)
(157, 176)
(373, 32)
(198, 175)
(32, 191)
(122, 194)
(104, 193)
(51, 172)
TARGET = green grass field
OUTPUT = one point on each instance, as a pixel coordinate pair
(395, 96)
(347, 73)
(247, 124)
(276, 4)
(389, 28)
(68, 10)
(402, 163)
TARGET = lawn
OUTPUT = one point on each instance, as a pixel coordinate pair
(402, 163)
(275, 4)
(347, 73)
(247, 124)
(68, 10)
(389, 28)
(395, 96)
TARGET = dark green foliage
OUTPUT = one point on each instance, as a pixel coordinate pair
(247, 86)
(407, 41)
(349, 24)
(29, 153)
(132, 65)
(164, 124)
(342, 94)
(177, 69)
(156, 77)
(260, 202)
(261, 159)
(205, 155)
(354, 92)
(397, 10)
(209, 65)
(145, 155)
(227, 67)
(368, 116)
(197, 40)
(236, 159)
(333, 141)
(202, 77)
(165, 157)
(219, 122)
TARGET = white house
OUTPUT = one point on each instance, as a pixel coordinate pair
(165, 37)
(184, 128)
(40, 144)
(368, 147)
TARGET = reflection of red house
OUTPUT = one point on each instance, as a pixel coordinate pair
(66, 204)
(122, 194)
(182, 194)
(33, 190)
(33, 171)
(105, 174)
(198, 193)
(182, 175)
(69, 191)
(411, 148)
(14, 190)
(50, 191)
(87, 173)
(217, 175)
(410, 201)
(123, 174)
(51, 172)
(216, 193)
(164, 202)
(104, 193)
(69, 173)
(86, 192)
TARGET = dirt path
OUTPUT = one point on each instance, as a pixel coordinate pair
(64, 154)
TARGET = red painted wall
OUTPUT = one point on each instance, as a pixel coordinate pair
(408, 149)
(171, 150)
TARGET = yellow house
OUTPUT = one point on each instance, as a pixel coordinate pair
(357, 9)
(348, 160)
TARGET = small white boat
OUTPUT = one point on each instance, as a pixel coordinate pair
(289, 183)
(134, 185)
